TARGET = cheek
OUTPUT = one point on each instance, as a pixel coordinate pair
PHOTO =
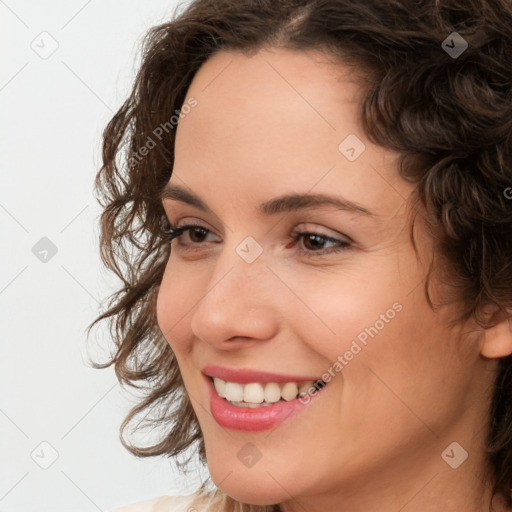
(174, 304)
(405, 372)
(350, 305)
(371, 297)
(377, 333)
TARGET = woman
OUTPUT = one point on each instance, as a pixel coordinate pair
(312, 224)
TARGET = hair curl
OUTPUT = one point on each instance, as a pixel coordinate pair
(449, 118)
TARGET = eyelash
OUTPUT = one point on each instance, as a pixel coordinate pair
(175, 232)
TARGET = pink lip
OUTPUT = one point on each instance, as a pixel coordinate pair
(247, 419)
(245, 376)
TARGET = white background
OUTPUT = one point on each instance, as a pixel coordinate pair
(53, 111)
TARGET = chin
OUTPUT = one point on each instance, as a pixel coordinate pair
(246, 492)
(250, 485)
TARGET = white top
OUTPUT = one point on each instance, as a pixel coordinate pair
(163, 504)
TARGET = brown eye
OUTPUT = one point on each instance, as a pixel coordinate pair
(314, 242)
(197, 234)
(317, 244)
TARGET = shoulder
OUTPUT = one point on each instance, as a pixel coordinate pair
(162, 504)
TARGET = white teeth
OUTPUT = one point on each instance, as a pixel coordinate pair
(234, 392)
(289, 391)
(272, 393)
(255, 394)
(220, 386)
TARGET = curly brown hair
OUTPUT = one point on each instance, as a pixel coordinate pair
(450, 119)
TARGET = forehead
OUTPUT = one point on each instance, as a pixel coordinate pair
(273, 122)
(272, 96)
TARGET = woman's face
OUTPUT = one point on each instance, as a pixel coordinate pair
(344, 303)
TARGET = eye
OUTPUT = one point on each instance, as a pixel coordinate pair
(195, 233)
(310, 243)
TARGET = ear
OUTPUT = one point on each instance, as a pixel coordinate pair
(497, 340)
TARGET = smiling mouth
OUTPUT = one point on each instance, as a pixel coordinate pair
(264, 394)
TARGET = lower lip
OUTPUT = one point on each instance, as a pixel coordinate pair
(250, 419)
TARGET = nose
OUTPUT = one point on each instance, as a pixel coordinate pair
(237, 305)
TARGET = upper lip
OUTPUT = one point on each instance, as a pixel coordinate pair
(247, 375)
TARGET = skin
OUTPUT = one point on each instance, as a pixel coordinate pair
(373, 439)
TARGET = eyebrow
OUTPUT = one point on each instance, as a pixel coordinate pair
(285, 203)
